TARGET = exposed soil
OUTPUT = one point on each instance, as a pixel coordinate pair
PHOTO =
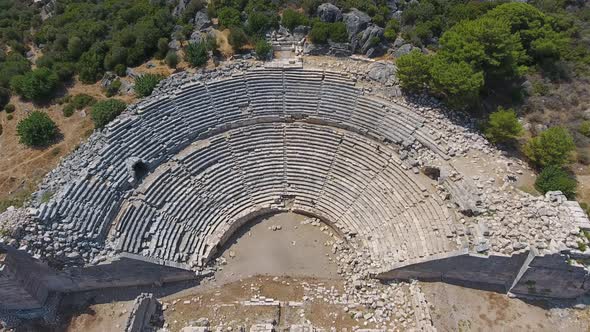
(223, 43)
(294, 250)
(21, 167)
(455, 308)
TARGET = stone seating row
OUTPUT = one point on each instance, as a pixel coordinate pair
(353, 181)
(165, 125)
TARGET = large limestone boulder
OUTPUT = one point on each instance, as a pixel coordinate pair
(356, 21)
(332, 49)
(382, 71)
(180, 7)
(201, 20)
(369, 36)
(404, 49)
(327, 12)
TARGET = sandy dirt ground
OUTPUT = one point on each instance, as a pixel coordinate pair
(295, 250)
(22, 167)
(455, 308)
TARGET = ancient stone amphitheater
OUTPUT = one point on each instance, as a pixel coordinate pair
(171, 179)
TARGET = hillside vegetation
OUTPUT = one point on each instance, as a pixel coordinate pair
(518, 68)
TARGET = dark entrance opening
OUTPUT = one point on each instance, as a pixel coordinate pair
(140, 170)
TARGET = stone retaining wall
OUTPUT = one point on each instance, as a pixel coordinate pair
(525, 274)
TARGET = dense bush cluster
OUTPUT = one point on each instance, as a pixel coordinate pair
(483, 53)
(196, 54)
(88, 38)
(37, 130)
(322, 31)
(105, 111)
(503, 126)
(263, 49)
(145, 84)
(553, 146)
(36, 85)
(247, 20)
(554, 178)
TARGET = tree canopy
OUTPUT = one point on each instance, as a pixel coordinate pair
(477, 53)
(36, 85)
(552, 147)
(503, 126)
(554, 178)
(37, 130)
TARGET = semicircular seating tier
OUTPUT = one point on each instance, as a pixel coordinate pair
(342, 177)
(189, 205)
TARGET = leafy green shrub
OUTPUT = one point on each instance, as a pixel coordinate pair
(14, 64)
(68, 110)
(196, 54)
(258, 23)
(413, 71)
(90, 67)
(503, 126)
(145, 84)
(105, 111)
(553, 178)
(162, 48)
(82, 100)
(456, 82)
(9, 117)
(121, 70)
(552, 147)
(263, 49)
(171, 59)
(584, 128)
(237, 38)
(320, 32)
(379, 20)
(338, 32)
(540, 88)
(37, 129)
(36, 85)
(391, 29)
(292, 19)
(113, 88)
(229, 17)
(4, 97)
(9, 108)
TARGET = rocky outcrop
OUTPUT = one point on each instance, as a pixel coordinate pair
(333, 49)
(382, 72)
(180, 7)
(370, 39)
(47, 9)
(201, 21)
(144, 308)
(404, 49)
(356, 21)
(364, 37)
(327, 12)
